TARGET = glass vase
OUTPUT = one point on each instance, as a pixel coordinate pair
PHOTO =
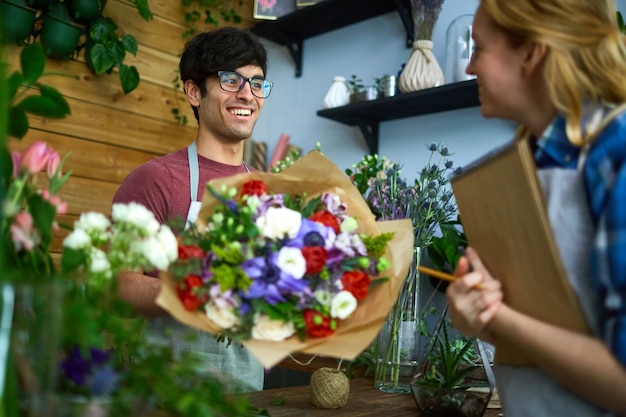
(399, 345)
(30, 342)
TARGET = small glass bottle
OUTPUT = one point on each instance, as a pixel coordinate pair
(338, 93)
(459, 48)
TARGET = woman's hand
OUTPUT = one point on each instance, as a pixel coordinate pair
(474, 298)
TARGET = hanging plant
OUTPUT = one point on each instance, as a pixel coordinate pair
(105, 50)
(17, 21)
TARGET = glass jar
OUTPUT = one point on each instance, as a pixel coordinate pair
(459, 49)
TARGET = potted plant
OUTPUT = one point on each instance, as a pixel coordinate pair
(361, 92)
(456, 379)
(86, 10)
(59, 34)
(17, 21)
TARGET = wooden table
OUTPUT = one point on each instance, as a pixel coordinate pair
(364, 400)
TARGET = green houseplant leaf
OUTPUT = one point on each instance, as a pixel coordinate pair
(129, 78)
(18, 123)
(33, 62)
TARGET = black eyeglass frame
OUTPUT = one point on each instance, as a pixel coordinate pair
(242, 82)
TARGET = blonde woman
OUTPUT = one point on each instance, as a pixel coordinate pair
(558, 68)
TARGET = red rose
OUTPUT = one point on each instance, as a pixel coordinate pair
(315, 257)
(190, 251)
(318, 325)
(254, 187)
(357, 283)
(327, 219)
(188, 293)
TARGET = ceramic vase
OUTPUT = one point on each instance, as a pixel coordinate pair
(338, 94)
(422, 69)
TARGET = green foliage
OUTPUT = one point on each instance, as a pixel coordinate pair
(355, 84)
(450, 361)
(208, 12)
(620, 22)
(107, 51)
(20, 84)
(445, 250)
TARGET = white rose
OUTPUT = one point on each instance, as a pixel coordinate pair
(78, 239)
(291, 261)
(273, 330)
(279, 222)
(342, 305)
(224, 317)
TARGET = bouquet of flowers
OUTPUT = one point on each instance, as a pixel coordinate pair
(284, 262)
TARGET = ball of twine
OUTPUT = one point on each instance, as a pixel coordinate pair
(329, 388)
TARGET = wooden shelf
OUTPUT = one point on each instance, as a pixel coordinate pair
(291, 30)
(367, 115)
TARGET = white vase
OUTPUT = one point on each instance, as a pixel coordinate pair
(422, 69)
(338, 94)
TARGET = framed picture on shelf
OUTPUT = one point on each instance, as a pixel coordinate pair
(273, 9)
(304, 3)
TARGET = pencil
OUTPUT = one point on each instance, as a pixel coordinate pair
(437, 274)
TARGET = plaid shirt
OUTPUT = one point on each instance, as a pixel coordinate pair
(605, 184)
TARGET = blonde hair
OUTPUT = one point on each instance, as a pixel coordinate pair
(586, 59)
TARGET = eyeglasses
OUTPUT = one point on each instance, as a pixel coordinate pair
(233, 82)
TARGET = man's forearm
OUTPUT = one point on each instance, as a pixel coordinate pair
(141, 292)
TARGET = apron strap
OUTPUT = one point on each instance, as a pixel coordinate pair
(194, 173)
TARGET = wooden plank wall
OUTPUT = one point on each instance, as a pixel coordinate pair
(109, 133)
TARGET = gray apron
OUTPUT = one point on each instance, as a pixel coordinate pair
(241, 371)
(528, 391)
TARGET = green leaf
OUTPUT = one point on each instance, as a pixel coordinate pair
(57, 97)
(118, 50)
(72, 259)
(130, 43)
(129, 78)
(43, 214)
(6, 169)
(18, 122)
(144, 9)
(102, 59)
(103, 30)
(33, 62)
(13, 83)
(44, 106)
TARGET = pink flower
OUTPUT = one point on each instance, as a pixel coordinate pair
(267, 4)
(35, 157)
(54, 160)
(22, 232)
(15, 156)
(55, 200)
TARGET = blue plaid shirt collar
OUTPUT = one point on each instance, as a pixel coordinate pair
(554, 149)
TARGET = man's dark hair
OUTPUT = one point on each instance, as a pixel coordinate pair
(226, 48)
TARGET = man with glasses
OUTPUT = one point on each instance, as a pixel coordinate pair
(223, 72)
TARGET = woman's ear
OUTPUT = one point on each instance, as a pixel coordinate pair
(192, 91)
(533, 55)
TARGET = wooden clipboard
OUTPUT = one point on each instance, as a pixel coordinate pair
(502, 209)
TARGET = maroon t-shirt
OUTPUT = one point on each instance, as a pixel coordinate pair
(162, 184)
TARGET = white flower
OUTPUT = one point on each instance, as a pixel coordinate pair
(348, 224)
(93, 222)
(224, 317)
(168, 240)
(323, 297)
(152, 250)
(342, 305)
(78, 239)
(350, 244)
(279, 222)
(291, 261)
(273, 330)
(136, 215)
(99, 263)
